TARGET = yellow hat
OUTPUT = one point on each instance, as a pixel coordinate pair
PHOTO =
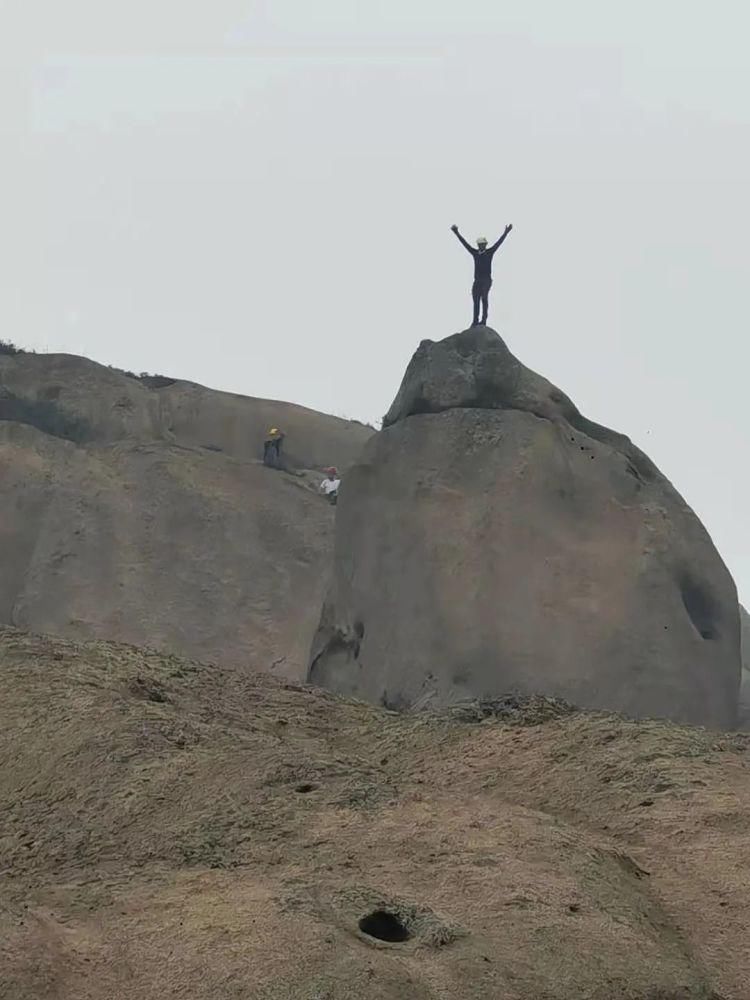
(274, 430)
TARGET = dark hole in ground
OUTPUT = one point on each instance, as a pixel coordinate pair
(384, 926)
(305, 787)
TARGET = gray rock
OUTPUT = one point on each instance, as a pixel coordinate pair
(492, 539)
(745, 686)
(138, 509)
(475, 370)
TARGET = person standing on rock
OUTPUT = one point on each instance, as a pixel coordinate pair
(480, 290)
(272, 448)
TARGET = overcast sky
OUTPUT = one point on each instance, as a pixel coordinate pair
(257, 195)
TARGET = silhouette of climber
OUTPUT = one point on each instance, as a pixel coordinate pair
(272, 448)
(480, 290)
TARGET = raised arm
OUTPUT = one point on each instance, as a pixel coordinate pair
(494, 246)
(467, 245)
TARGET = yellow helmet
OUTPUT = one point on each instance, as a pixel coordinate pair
(274, 430)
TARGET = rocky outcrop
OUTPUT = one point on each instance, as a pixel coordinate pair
(104, 406)
(492, 539)
(745, 686)
(137, 509)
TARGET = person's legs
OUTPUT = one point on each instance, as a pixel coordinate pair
(476, 294)
(484, 297)
(485, 303)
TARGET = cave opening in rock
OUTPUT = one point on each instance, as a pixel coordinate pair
(700, 607)
(384, 926)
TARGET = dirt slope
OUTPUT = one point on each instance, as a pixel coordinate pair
(169, 829)
(142, 513)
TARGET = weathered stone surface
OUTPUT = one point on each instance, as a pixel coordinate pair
(745, 686)
(491, 539)
(157, 524)
(111, 406)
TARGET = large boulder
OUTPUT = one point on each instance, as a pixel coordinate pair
(492, 539)
(745, 686)
(138, 509)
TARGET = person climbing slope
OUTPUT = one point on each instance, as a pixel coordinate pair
(272, 448)
(480, 290)
(330, 486)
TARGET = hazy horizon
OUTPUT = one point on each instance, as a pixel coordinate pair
(257, 196)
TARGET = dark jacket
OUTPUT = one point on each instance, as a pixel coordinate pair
(482, 259)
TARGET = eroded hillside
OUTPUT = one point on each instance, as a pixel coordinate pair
(173, 829)
(139, 510)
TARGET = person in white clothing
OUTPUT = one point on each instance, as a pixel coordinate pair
(330, 486)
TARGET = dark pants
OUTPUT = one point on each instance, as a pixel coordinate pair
(480, 293)
(272, 454)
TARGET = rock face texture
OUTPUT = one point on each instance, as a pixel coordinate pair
(492, 539)
(138, 510)
(745, 686)
(105, 406)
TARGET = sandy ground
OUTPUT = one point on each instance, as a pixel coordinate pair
(174, 829)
